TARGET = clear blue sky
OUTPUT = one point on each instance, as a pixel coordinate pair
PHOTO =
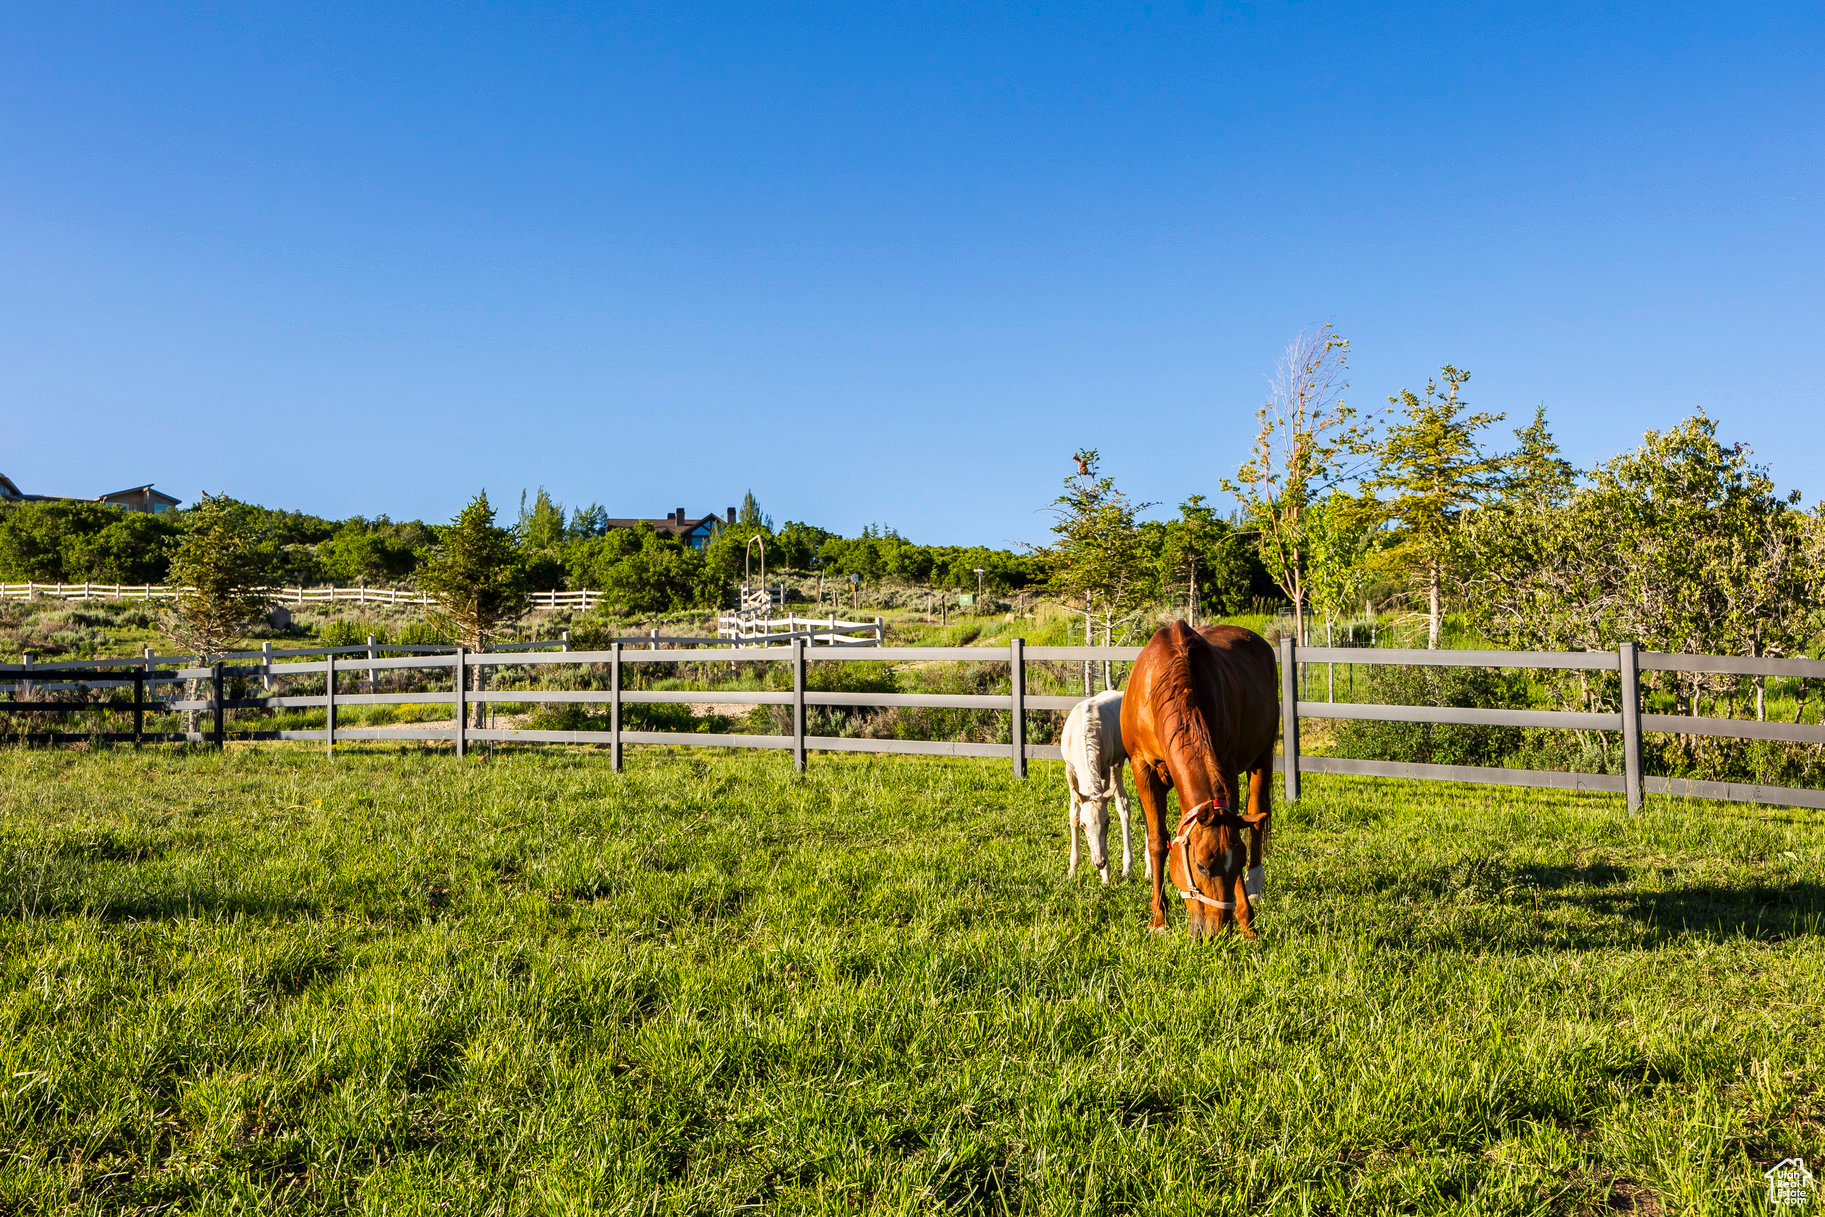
(879, 263)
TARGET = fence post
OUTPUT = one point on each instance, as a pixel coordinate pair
(1628, 662)
(459, 688)
(1017, 685)
(25, 661)
(564, 641)
(215, 682)
(614, 706)
(139, 706)
(654, 635)
(880, 633)
(798, 704)
(329, 704)
(373, 672)
(265, 665)
(1289, 715)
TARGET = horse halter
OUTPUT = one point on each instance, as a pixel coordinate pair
(1178, 841)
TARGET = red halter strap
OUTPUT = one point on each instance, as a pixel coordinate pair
(1185, 822)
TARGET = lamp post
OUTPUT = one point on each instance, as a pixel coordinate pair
(978, 571)
(855, 590)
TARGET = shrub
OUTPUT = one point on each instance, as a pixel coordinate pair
(1436, 743)
(345, 632)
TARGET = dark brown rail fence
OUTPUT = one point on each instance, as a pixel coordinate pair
(459, 679)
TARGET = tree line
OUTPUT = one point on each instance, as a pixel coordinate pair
(1683, 544)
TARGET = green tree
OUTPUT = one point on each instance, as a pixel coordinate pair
(1097, 558)
(1199, 544)
(474, 573)
(1432, 468)
(541, 527)
(223, 572)
(1341, 534)
(1682, 545)
(639, 571)
(1309, 441)
(751, 514)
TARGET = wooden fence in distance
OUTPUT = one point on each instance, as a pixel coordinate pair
(583, 600)
(1629, 720)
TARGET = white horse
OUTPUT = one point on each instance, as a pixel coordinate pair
(1094, 759)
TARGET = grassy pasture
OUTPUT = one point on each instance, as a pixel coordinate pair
(400, 983)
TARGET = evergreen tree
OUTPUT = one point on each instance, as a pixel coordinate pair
(474, 573)
(1432, 468)
(223, 572)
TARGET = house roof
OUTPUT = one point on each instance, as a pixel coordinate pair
(133, 490)
(9, 490)
(669, 524)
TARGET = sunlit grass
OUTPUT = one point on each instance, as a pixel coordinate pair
(398, 982)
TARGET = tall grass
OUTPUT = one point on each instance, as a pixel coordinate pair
(394, 982)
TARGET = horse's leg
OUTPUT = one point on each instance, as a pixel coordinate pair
(1071, 814)
(1121, 809)
(1152, 793)
(1260, 803)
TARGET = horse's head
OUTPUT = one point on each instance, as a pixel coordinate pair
(1093, 819)
(1215, 864)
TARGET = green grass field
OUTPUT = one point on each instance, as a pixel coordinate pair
(399, 983)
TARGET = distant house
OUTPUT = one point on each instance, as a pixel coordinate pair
(694, 532)
(139, 498)
(135, 498)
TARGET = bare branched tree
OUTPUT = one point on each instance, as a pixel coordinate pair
(1310, 441)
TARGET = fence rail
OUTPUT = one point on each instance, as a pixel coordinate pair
(584, 599)
(146, 674)
(819, 631)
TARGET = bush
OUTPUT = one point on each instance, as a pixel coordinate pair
(1436, 743)
(344, 632)
(421, 634)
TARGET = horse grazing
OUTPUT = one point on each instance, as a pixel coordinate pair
(1092, 747)
(1201, 708)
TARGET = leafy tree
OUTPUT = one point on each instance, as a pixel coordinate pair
(541, 527)
(474, 573)
(1309, 441)
(1200, 543)
(1432, 467)
(639, 571)
(1097, 557)
(586, 522)
(1341, 534)
(223, 571)
(797, 545)
(359, 553)
(1682, 545)
(71, 541)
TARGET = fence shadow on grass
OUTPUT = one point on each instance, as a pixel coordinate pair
(1490, 908)
(1762, 912)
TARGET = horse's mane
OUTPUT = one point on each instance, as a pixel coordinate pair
(1183, 710)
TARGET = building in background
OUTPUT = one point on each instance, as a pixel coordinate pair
(134, 498)
(694, 532)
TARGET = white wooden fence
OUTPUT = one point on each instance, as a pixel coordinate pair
(583, 600)
(818, 631)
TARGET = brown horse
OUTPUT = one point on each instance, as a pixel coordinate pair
(1201, 707)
